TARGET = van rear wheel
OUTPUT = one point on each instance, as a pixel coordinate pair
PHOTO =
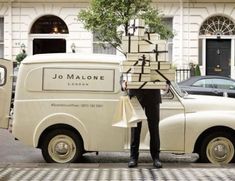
(62, 146)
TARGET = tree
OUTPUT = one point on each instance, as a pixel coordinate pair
(105, 17)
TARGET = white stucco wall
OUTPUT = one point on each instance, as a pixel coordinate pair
(25, 14)
(187, 19)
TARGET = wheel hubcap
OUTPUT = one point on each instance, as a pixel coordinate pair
(220, 150)
(62, 148)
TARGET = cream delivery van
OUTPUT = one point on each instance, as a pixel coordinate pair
(64, 104)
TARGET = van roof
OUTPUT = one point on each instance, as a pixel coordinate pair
(72, 57)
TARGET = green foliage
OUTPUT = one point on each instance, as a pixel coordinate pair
(105, 17)
(21, 56)
(194, 69)
(197, 71)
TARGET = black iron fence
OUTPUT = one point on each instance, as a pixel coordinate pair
(182, 74)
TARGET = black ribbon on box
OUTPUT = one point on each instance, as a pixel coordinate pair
(132, 65)
(147, 41)
(157, 52)
(168, 82)
(148, 35)
(145, 52)
(142, 65)
(129, 43)
(139, 27)
(162, 75)
(134, 27)
(158, 65)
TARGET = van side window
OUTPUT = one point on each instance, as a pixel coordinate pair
(2, 75)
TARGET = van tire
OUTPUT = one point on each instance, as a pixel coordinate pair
(62, 146)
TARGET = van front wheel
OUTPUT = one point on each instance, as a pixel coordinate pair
(218, 148)
(61, 146)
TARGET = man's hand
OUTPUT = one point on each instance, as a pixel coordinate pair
(124, 85)
(165, 90)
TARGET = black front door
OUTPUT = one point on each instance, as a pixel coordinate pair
(49, 46)
(218, 55)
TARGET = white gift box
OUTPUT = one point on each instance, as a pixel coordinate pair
(137, 27)
(162, 45)
(146, 85)
(160, 65)
(146, 47)
(153, 37)
(169, 74)
(137, 77)
(135, 69)
(162, 57)
(133, 63)
(130, 44)
(139, 31)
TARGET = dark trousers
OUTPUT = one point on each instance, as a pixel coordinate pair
(150, 103)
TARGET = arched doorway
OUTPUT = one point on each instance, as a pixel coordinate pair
(47, 33)
(217, 32)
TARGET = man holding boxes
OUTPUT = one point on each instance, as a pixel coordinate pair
(144, 73)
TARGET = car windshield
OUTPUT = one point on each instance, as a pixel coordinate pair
(179, 91)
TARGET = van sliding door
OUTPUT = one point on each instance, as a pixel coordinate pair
(6, 72)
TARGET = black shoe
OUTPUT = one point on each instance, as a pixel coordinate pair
(132, 163)
(157, 163)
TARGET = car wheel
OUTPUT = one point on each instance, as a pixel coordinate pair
(62, 146)
(217, 148)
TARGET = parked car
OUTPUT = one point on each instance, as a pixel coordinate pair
(53, 111)
(209, 85)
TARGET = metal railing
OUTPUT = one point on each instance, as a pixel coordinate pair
(182, 74)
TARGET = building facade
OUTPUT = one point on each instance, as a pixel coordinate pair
(204, 31)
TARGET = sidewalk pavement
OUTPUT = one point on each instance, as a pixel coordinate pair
(115, 171)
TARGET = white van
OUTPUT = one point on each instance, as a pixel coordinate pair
(65, 103)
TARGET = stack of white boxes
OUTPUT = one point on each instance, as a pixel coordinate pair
(146, 66)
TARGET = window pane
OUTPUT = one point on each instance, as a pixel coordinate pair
(1, 30)
(1, 51)
(49, 24)
(206, 83)
(170, 51)
(103, 48)
(2, 76)
(224, 84)
(169, 23)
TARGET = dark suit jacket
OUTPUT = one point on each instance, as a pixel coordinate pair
(145, 96)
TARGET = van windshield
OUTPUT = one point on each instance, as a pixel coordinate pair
(179, 91)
